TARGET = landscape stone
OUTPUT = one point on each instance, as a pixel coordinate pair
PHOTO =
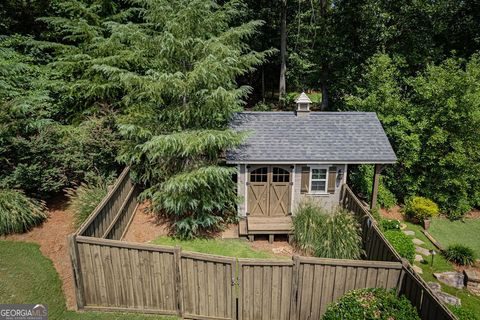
(409, 232)
(417, 269)
(448, 298)
(418, 242)
(422, 251)
(451, 278)
(435, 286)
(472, 278)
(419, 258)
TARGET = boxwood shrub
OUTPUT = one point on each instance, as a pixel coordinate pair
(372, 303)
(386, 224)
(402, 243)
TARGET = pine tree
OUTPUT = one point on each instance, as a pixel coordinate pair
(170, 68)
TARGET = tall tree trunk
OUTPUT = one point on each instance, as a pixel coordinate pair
(263, 84)
(283, 52)
(324, 105)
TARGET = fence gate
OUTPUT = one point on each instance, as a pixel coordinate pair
(265, 289)
(208, 287)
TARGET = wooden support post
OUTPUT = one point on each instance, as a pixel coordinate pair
(177, 254)
(271, 238)
(376, 178)
(77, 271)
(251, 237)
(294, 290)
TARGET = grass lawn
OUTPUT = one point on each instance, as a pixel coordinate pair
(469, 301)
(457, 232)
(26, 276)
(230, 248)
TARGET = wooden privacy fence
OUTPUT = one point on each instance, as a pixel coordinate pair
(112, 216)
(378, 248)
(304, 287)
(120, 276)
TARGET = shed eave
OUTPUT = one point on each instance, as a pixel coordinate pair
(311, 161)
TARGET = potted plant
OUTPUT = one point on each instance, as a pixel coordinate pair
(421, 210)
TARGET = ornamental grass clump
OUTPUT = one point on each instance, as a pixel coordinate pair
(85, 198)
(372, 303)
(19, 213)
(460, 254)
(327, 235)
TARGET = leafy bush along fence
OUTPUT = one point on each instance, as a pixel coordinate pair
(121, 276)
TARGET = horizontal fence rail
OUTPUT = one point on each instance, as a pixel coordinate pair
(378, 248)
(111, 217)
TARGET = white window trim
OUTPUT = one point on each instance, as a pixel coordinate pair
(325, 167)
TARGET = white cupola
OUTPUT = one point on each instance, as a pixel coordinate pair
(303, 103)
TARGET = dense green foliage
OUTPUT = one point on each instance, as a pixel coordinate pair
(180, 99)
(387, 224)
(459, 254)
(18, 213)
(362, 181)
(420, 208)
(371, 303)
(402, 243)
(326, 234)
(87, 83)
(432, 121)
(463, 313)
(85, 198)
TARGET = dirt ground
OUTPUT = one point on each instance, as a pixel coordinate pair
(394, 213)
(144, 227)
(52, 238)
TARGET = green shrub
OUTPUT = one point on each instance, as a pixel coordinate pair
(327, 235)
(362, 181)
(420, 208)
(376, 214)
(463, 314)
(390, 225)
(372, 303)
(262, 107)
(459, 254)
(85, 198)
(19, 213)
(402, 243)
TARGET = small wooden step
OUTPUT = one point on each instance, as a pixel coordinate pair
(269, 225)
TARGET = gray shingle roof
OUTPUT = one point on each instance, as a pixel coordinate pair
(352, 137)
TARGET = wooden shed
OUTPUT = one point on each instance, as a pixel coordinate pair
(289, 156)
